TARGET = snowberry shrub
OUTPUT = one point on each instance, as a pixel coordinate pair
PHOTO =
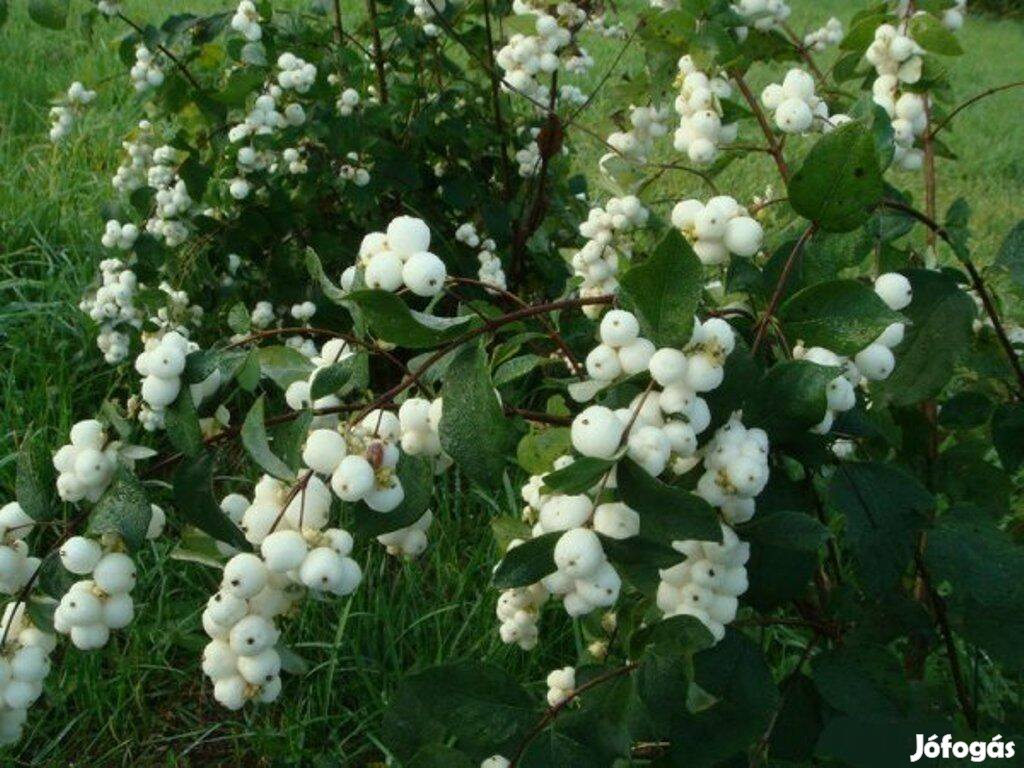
(766, 448)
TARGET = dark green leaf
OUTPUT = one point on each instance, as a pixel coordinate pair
(254, 438)
(663, 291)
(938, 336)
(839, 182)
(862, 680)
(666, 513)
(784, 550)
(966, 410)
(790, 398)
(52, 14)
(239, 320)
(527, 563)
(584, 473)
(194, 501)
(391, 319)
(930, 34)
(842, 315)
(538, 449)
(336, 378)
(885, 508)
(284, 365)
(182, 424)
(123, 509)
(516, 368)
(1011, 254)
(1008, 435)
(474, 430)
(33, 484)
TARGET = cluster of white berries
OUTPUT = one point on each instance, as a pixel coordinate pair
(597, 262)
(108, 7)
(24, 665)
(94, 606)
(347, 102)
(361, 462)
(875, 362)
(698, 104)
(490, 271)
(86, 465)
(427, 11)
(246, 21)
(518, 611)
(561, 685)
(304, 311)
(113, 303)
(735, 470)
(528, 157)
(298, 393)
(895, 54)
(262, 314)
(120, 236)
(763, 14)
(953, 17)
(16, 565)
(295, 160)
(295, 73)
(525, 57)
(909, 121)
(172, 198)
(146, 73)
(62, 116)
(264, 118)
(132, 173)
(408, 542)
(354, 170)
(822, 38)
(646, 125)
(707, 583)
(622, 351)
(400, 256)
(718, 228)
(419, 421)
(496, 761)
(161, 365)
(794, 102)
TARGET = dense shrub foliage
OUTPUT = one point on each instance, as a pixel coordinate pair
(767, 449)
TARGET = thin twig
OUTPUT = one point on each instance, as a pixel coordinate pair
(780, 286)
(974, 99)
(378, 52)
(774, 147)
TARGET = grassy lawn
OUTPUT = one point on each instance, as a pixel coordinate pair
(143, 701)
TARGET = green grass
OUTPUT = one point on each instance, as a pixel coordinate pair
(143, 701)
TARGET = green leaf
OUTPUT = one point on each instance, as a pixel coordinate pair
(182, 424)
(842, 315)
(284, 365)
(123, 509)
(583, 474)
(663, 291)
(790, 398)
(248, 373)
(316, 271)
(33, 484)
(417, 476)
(440, 756)
(194, 501)
(884, 508)
(930, 34)
(938, 336)
(862, 32)
(537, 450)
(1011, 254)
(667, 513)
(239, 319)
(254, 438)
(744, 696)
(391, 319)
(1008, 435)
(839, 183)
(984, 571)
(336, 378)
(516, 368)
(52, 14)
(477, 708)
(527, 563)
(866, 681)
(966, 410)
(784, 550)
(474, 430)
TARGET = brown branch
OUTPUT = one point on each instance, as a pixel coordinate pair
(774, 146)
(977, 283)
(939, 607)
(974, 99)
(339, 29)
(780, 287)
(378, 52)
(553, 712)
(164, 50)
